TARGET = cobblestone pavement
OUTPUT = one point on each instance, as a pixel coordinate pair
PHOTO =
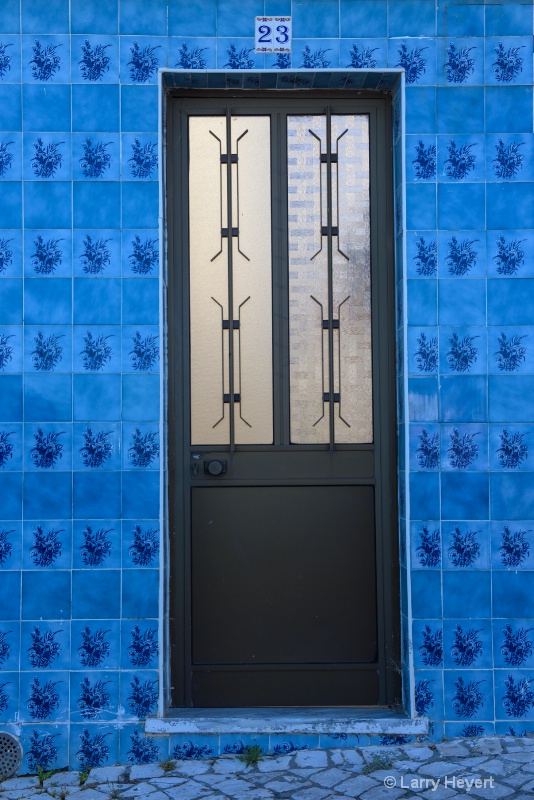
(497, 767)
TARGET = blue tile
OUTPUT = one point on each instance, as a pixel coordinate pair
(97, 301)
(97, 397)
(236, 18)
(140, 397)
(11, 298)
(511, 301)
(96, 349)
(52, 18)
(139, 644)
(460, 20)
(281, 744)
(426, 594)
(11, 205)
(511, 545)
(510, 205)
(10, 634)
(231, 744)
(12, 554)
(11, 486)
(140, 495)
(418, 58)
(97, 252)
(427, 643)
(140, 204)
(52, 294)
(140, 349)
(509, 60)
(96, 446)
(97, 496)
(11, 144)
(11, 104)
(463, 350)
(140, 544)
(47, 205)
(88, 604)
(466, 545)
(508, 109)
(513, 594)
(238, 53)
(367, 17)
(50, 491)
(32, 687)
(509, 157)
(461, 206)
(96, 205)
(11, 348)
(95, 108)
(461, 158)
(95, 59)
(36, 656)
(509, 351)
(318, 18)
(89, 639)
(10, 253)
(507, 636)
(420, 206)
(509, 19)
(136, 603)
(143, 17)
(425, 546)
(45, 58)
(464, 496)
(411, 18)
(509, 698)
(10, 595)
(39, 436)
(460, 110)
(512, 495)
(461, 302)
(459, 584)
(461, 61)
(10, 16)
(423, 399)
(140, 58)
(84, 741)
(134, 746)
(197, 18)
(46, 594)
(463, 398)
(421, 153)
(139, 108)
(140, 446)
(462, 254)
(191, 53)
(424, 495)
(479, 685)
(48, 253)
(510, 253)
(429, 693)
(97, 544)
(37, 161)
(140, 253)
(140, 156)
(46, 108)
(47, 348)
(47, 397)
(11, 459)
(96, 157)
(140, 301)
(423, 350)
(91, 16)
(102, 688)
(11, 59)
(139, 694)
(422, 302)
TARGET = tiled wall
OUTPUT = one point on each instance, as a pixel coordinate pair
(80, 350)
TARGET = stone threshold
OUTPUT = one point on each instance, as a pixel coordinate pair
(359, 721)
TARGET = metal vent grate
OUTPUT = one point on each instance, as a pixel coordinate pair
(10, 754)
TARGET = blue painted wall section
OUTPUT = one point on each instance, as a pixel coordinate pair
(80, 354)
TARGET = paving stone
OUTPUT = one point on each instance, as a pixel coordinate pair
(229, 765)
(193, 767)
(168, 780)
(528, 787)
(144, 771)
(472, 761)
(232, 786)
(517, 779)
(354, 786)
(489, 745)
(422, 753)
(452, 749)
(311, 758)
(436, 769)
(374, 752)
(439, 793)
(496, 766)
(273, 764)
(187, 791)
(518, 758)
(103, 774)
(62, 779)
(305, 772)
(139, 790)
(331, 777)
(352, 757)
(383, 793)
(284, 785)
(84, 794)
(253, 794)
(492, 792)
(313, 793)
(30, 782)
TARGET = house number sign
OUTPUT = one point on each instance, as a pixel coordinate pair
(272, 35)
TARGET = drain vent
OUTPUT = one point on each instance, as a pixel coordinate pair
(10, 754)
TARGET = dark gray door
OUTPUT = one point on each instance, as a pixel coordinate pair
(282, 447)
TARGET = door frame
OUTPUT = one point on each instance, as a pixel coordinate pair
(384, 348)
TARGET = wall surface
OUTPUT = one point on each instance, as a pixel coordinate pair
(80, 351)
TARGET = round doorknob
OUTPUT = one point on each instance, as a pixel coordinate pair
(215, 467)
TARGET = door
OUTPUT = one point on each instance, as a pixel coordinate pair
(281, 399)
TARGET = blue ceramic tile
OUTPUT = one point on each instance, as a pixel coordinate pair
(136, 748)
(426, 546)
(47, 446)
(47, 348)
(96, 446)
(509, 157)
(11, 447)
(420, 109)
(140, 253)
(11, 548)
(510, 253)
(45, 645)
(45, 59)
(421, 153)
(95, 643)
(466, 545)
(140, 204)
(428, 643)
(96, 349)
(88, 604)
(460, 20)
(509, 205)
(139, 644)
(140, 397)
(511, 302)
(238, 53)
(52, 18)
(464, 495)
(11, 58)
(463, 302)
(10, 638)
(508, 19)
(464, 447)
(10, 595)
(142, 17)
(95, 108)
(11, 157)
(426, 594)
(468, 695)
(140, 302)
(10, 253)
(140, 544)
(46, 108)
(94, 696)
(510, 447)
(469, 729)
(47, 157)
(50, 490)
(459, 584)
(52, 294)
(192, 53)
(283, 744)
(95, 59)
(508, 397)
(46, 594)
(10, 99)
(10, 16)
(463, 350)
(136, 603)
(198, 18)
(96, 301)
(185, 746)
(96, 545)
(461, 62)
(47, 205)
(44, 696)
(11, 348)
(422, 302)
(315, 54)
(97, 252)
(90, 16)
(368, 17)
(411, 18)
(462, 254)
(141, 57)
(423, 399)
(96, 205)
(424, 495)
(11, 301)
(417, 57)
(512, 643)
(508, 60)
(234, 744)
(11, 205)
(423, 350)
(508, 109)
(97, 495)
(461, 206)
(92, 744)
(509, 351)
(140, 495)
(47, 397)
(96, 397)
(140, 446)
(429, 693)
(96, 157)
(461, 158)
(47, 253)
(513, 593)
(463, 398)
(510, 701)
(511, 545)
(140, 156)
(421, 206)
(512, 495)
(318, 18)
(460, 110)
(139, 108)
